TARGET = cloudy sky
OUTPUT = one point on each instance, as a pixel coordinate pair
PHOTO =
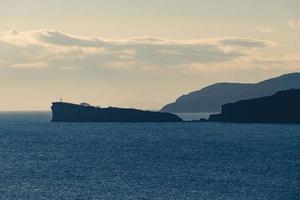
(138, 53)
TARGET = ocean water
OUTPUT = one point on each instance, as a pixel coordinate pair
(193, 116)
(44, 160)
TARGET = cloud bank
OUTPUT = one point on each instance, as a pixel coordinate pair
(56, 49)
(266, 30)
(294, 23)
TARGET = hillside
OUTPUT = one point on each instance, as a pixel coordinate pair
(211, 98)
(282, 107)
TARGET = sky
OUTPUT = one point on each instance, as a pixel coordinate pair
(138, 53)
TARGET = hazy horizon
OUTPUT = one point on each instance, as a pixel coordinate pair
(141, 54)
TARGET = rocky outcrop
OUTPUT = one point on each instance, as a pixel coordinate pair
(68, 112)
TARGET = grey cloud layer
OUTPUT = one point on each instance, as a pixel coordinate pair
(50, 48)
(245, 43)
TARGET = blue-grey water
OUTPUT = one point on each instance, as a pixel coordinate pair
(44, 160)
(193, 116)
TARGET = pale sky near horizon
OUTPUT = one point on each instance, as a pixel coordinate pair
(138, 53)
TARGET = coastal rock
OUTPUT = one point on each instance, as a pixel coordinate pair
(68, 112)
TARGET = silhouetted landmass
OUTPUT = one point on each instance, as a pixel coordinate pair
(282, 107)
(68, 112)
(211, 98)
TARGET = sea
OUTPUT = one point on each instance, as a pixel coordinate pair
(42, 160)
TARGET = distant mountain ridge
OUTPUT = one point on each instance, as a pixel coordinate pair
(211, 98)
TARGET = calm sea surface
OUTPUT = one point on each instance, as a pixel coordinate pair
(119, 161)
(193, 116)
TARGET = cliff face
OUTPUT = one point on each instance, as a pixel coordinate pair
(211, 98)
(67, 112)
(282, 107)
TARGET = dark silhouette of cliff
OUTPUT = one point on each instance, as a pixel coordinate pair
(68, 112)
(211, 98)
(282, 107)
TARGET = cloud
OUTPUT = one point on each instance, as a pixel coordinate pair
(56, 49)
(266, 30)
(294, 23)
(251, 63)
(245, 43)
(60, 38)
(291, 61)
